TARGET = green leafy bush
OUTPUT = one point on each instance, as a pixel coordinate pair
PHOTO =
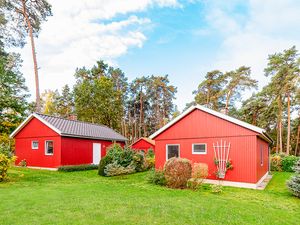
(115, 169)
(177, 172)
(282, 162)
(124, 157)
(5, 163)
(149, 163)
(138, 161)
(150, 152)
(149, 159)
(81, 167)
(157, 177)
(288, 163)
(7, 145)
(294, 183)
(103, 163)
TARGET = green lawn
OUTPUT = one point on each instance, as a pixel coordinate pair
(45, 197)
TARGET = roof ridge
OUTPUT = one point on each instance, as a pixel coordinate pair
(78, 121)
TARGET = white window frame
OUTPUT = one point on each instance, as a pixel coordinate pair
(167, 151)
(46, 147)
(199, 153)
(32, 147)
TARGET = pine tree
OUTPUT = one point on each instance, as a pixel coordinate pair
(294, 183)
(25, 18)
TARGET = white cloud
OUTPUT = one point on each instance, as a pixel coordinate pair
(81, 32)
(265, 28)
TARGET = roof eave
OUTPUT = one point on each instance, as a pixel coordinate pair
(94, 138)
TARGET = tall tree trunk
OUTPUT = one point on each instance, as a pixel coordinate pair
(289, 124)
(207, 98)
(227, 102)
(277, 139)
(141, 114)
(36, 75)
(280, 123)
(297, 143)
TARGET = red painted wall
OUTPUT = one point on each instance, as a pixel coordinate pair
(76, 151)
(67, 150)
(37, 131)
(263, 168)
(143, 145)
(201, 127)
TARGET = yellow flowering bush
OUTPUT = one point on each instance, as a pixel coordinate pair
(5, 163)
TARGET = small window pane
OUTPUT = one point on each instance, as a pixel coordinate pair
(34, 144)
(199, 148)
(173, 151)
(49, 147)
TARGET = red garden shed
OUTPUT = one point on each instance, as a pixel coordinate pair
(144, 144)
(49, 142)
(202, 135)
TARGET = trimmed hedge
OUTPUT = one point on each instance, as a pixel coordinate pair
(77, 167)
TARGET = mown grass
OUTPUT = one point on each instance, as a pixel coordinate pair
(45, 197)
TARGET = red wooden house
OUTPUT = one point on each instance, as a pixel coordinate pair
(49, 142)
(144, 144)
(195, 135)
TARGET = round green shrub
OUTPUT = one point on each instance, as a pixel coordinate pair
(157, 177)
(288, 163)
(177, 172)
(139, 161)
(294, 183)
(103, 163)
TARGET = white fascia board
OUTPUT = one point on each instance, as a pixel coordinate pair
(212, 112)
(46, 123)
(20, 127)
(231, 119)
(172, 122)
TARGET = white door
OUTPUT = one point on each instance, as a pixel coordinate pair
(96, 153)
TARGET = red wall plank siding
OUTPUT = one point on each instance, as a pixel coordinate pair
(242, 153)
(201, 124)
(142, 145)
(37, 131)
(201, 127)
(76, 151)
(263, 168)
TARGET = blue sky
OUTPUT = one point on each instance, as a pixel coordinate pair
(184, 39)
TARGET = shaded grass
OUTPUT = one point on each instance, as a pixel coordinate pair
(47, 197)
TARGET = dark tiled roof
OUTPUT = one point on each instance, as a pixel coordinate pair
(77, 128)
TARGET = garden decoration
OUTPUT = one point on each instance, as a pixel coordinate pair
(222, 162)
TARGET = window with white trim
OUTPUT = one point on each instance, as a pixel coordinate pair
(172, 151)
(199, 148)
(34, 145)
(261, 155)
(49, 147)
